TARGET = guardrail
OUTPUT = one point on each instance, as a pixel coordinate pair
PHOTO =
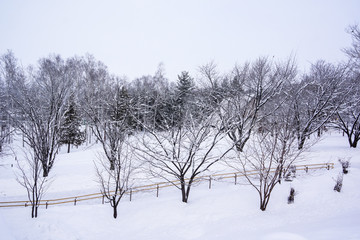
(156, 186)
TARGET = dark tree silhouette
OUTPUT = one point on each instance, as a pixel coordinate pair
(70, 129)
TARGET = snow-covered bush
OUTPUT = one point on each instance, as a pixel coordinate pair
(345, 165)
(291, 197)
(339, 182)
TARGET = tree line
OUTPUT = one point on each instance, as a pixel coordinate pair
(176, 128)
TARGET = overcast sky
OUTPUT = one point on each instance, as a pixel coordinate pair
(132, 37)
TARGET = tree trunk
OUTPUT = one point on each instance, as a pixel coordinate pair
(280, 176)
(355, 143)
(301, 142)
(183, 191)
(45, 170)
(263, 203)
(115, 211)
(112, 165)
(188, 191)
(68, 148)
(114, 205)
(238, 148)
(264, 200)
(352, 143)
(240, 145)
(34, 211)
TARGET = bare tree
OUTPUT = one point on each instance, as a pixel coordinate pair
(40, 100)
(112, 126)
(114, 183)
(10, 71)
(268, 157)
(4, 128)
(5, 134)
(348, 117)
(320, 98)
(210, 74)
(265, 160)
(212, 88)
(254, 86)
(182, 152)
(105, 106)
(353, 52)
(30, 177)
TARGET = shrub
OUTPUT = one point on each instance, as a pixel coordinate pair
(338, 184)
(291, 197)
(345, 165)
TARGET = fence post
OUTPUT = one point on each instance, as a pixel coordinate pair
(46, 205)
(209, 182)
(306, 169)
(103, 199)
(130, 194)
(235, 178)
(157, 190)
(75, 202)
(26, 204)
(328, 167)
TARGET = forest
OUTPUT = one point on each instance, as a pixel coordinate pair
(265, 111)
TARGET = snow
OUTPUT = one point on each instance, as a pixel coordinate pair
(226, 211)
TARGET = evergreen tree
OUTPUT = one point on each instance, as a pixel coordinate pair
(120, 108)
(184, 94)
(70, 130)
(184, 88)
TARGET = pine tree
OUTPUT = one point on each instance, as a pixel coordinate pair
(120, 109)
(70, 130)
(185, 86)
(183, 97)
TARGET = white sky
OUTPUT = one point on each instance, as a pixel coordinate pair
(132, 37)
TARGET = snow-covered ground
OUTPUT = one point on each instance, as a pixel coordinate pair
(225, 211)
